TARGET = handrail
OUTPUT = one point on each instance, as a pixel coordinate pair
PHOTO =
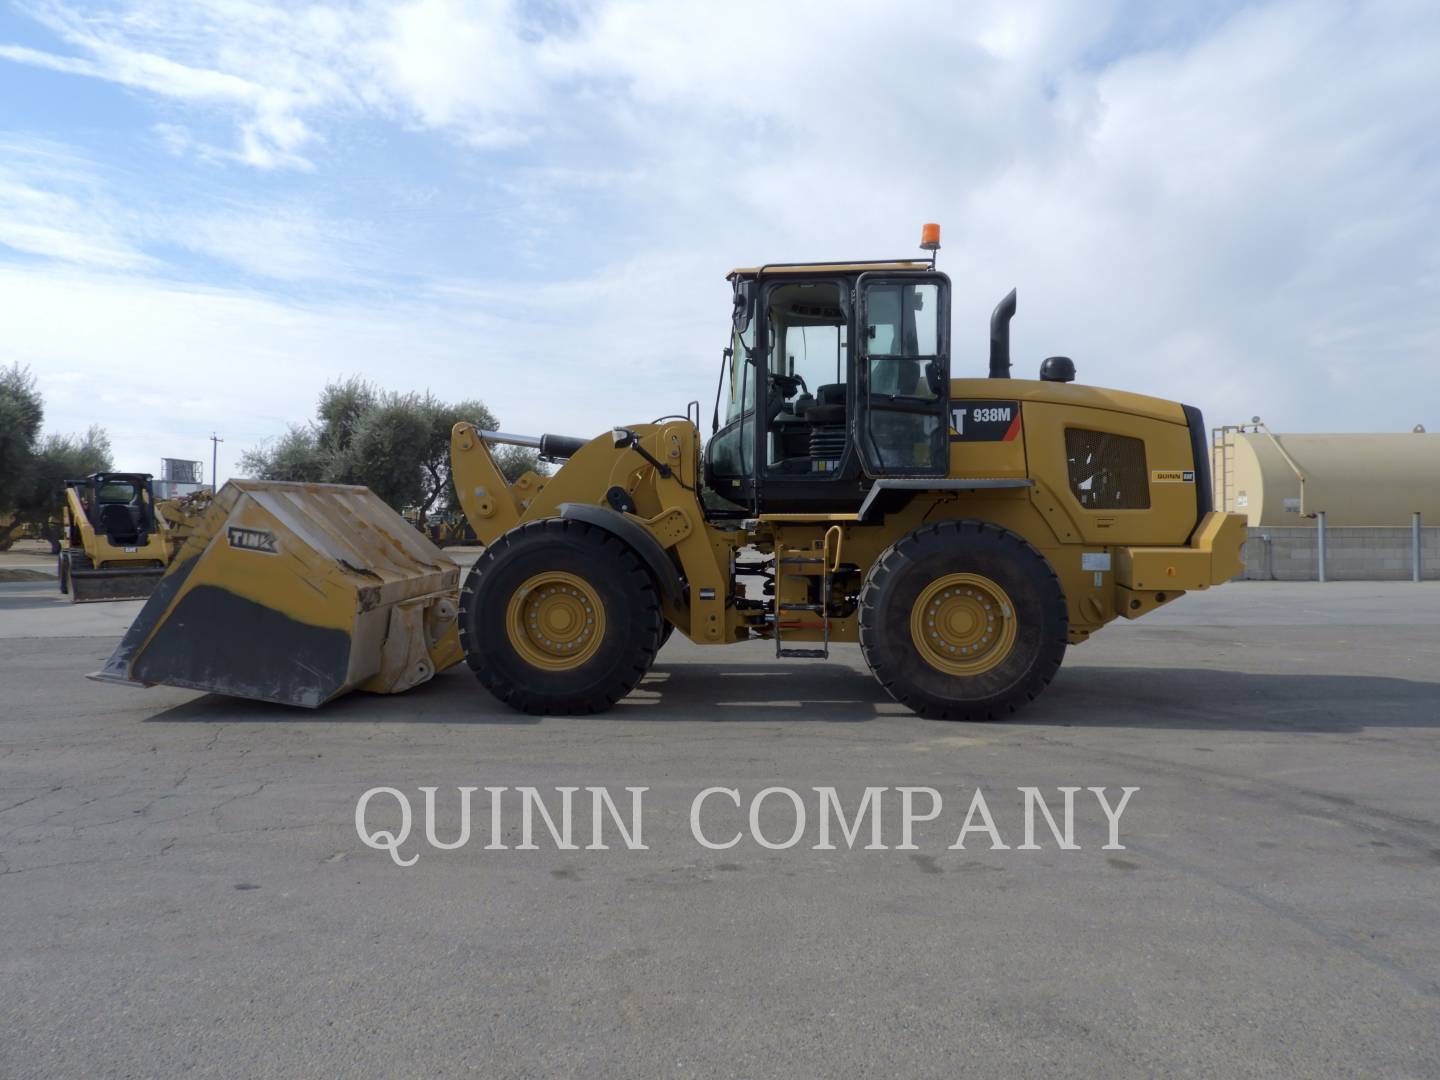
(1260, 425)
(839, 534)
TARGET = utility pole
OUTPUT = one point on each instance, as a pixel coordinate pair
(215, 442)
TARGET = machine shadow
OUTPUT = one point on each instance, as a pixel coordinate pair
(1080, 697)
(683, 692)
(1218, 700)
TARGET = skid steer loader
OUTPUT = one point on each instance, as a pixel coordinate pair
(964, 531)
(113, 541)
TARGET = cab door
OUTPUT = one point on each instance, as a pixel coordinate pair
(902, 423)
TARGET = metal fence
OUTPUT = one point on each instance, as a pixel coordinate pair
(1349, 553)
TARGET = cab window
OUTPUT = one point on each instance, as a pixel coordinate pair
(117, 491)
(906, 375)
(809, 363)
(903, 330)
(732, 450)
(740, 399)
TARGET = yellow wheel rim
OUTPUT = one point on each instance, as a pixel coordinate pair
(963, 624)
(555, 621)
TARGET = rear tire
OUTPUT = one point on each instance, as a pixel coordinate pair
(559, 617)
(62, 571)
(963, 620)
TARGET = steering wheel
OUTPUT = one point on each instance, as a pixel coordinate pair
(789, 385)
(782, 388)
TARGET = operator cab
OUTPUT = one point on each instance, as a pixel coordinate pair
(836, 375)
(119, 505)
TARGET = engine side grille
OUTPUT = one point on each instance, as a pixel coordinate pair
(1107, 472)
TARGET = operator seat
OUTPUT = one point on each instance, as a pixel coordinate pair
(829, 407)
(120, 523)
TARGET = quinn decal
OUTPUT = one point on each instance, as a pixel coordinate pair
(1172, 476)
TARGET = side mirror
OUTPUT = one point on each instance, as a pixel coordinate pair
(744, 305)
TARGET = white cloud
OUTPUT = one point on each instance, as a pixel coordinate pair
(1238, 209)
(51, 206)
(285, 243)
(130, 48)
(461, 66)
(200, 359)
(63, 207)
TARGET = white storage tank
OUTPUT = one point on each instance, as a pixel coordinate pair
(1356, 479)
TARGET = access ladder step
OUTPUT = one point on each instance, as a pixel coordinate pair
(807, 654)
(817, 608)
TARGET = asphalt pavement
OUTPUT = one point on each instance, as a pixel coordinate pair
(183, 890)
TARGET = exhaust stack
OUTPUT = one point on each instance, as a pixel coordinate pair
(1000, 336)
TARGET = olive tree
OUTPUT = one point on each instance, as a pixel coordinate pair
(21, 413)
(398, 445)
(34, 468)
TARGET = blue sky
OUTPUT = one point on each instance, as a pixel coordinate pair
(208, 208)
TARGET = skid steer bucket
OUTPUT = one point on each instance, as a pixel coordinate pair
(111, 583)
(296, 593)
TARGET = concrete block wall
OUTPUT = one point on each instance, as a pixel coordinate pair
(1352, 554)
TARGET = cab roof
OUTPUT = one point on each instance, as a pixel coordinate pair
(102, 477)
(909, 265)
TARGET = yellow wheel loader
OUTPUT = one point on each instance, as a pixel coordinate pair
(181, 515)
(963, 531)
(113, 541)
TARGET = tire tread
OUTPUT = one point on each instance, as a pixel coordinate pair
(629, 569)
(970, 532)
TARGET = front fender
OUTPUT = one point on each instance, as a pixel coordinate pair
(639, 538)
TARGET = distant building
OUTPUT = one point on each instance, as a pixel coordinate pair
(179, 476)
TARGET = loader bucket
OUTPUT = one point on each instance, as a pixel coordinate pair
(296, 594)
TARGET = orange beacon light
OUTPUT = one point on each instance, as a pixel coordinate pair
(930, 237)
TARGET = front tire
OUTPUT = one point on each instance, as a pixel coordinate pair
(963, 620)
(559, 617)
(62, 571)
